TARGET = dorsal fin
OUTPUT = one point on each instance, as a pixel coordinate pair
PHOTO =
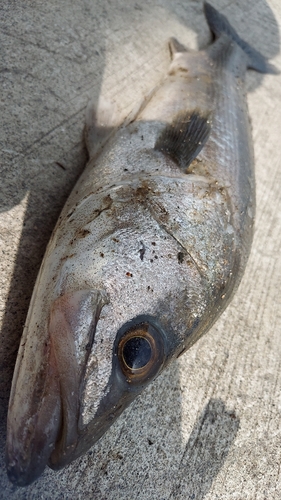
(184, 138)
(175, 47)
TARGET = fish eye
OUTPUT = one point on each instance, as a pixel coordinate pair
(136, 352)
(140, 353)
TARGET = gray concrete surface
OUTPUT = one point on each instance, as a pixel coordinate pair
(209, 427)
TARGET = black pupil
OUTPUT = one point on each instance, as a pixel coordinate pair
(137, 352)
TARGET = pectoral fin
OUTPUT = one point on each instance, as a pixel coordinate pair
(184, 138)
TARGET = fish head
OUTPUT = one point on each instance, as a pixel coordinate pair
(85, 355)
(126, 340)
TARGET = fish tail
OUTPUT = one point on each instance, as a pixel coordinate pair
(219, 25)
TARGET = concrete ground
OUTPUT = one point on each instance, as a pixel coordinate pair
(209, 427)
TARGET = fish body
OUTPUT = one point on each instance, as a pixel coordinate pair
(146, 254)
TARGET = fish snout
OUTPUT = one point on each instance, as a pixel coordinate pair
(32, 428)
(44, 405)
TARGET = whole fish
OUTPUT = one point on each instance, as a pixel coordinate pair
(147, 253)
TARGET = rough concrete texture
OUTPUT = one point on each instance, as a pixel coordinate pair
(209, 427)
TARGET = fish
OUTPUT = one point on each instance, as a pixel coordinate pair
(147, 252)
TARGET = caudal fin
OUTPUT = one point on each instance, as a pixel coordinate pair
(219, 25)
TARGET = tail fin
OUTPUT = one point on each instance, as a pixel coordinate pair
(219, 25)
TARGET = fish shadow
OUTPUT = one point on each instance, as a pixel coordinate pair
(206, 451)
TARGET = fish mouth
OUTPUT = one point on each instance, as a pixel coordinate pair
(31, 440)
(42, 425)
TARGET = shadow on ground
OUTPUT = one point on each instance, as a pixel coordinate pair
(206, 450)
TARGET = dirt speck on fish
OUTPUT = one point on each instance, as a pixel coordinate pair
(147, 253)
